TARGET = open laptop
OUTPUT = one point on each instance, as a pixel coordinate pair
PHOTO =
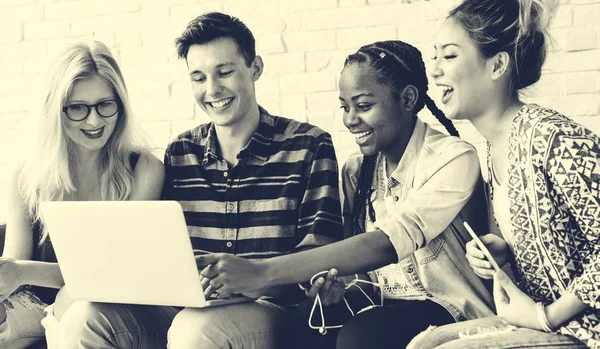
(134, 252)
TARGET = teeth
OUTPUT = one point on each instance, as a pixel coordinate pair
(362, 135)
(221, 103)
(94, 132)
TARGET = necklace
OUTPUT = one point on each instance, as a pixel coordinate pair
(489, 168)
(491, 182)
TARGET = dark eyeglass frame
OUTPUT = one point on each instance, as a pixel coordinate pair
(89, 109)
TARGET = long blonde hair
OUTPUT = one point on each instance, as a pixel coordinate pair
(47, 173)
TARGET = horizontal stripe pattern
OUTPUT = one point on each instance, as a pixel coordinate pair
(282, 196)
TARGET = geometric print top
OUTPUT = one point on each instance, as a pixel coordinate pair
(554, 182)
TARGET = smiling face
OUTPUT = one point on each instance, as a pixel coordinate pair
(372, 113)
(222, 83)
(92, 133)
(462, 72)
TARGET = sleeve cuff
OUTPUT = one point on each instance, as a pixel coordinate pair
(402, 242)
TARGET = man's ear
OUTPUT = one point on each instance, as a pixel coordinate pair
(500, 65)
(257, 68)
(409, 97)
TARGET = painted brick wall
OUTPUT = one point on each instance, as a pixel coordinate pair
(303, 44)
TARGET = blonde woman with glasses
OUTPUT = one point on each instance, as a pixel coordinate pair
(84, 150)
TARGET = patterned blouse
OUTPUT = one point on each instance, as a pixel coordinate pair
(554, 183)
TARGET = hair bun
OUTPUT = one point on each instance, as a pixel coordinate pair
(535, 15)
(534, 21)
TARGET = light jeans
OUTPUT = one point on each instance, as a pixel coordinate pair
(491, 332)
(100, 325)
(252, 325)
(21, 317)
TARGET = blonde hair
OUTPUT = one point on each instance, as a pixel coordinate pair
(518, 27)
(535, 15)
(47, 173)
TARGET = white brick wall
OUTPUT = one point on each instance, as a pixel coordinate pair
(303, 43)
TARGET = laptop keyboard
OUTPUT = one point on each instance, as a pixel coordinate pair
(214, 297)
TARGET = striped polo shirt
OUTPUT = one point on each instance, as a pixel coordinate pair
(281, 197)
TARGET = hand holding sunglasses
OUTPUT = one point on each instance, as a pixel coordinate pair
(321, 278)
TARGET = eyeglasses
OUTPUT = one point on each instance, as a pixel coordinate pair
(80, 111)
(354, 283)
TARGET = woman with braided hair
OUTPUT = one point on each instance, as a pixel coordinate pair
(406, 173)
(406, 197)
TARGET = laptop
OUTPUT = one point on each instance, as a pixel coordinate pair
(132, 252)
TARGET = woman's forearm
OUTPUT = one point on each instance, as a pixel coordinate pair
(360, 253)
(563, 309)
(44, 274)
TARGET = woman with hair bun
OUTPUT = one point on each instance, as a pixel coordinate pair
(544, 179)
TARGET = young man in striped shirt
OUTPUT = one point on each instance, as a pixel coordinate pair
(251, 184)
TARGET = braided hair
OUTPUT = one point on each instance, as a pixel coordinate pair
(395, 64)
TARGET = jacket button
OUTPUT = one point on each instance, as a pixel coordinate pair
(229, 244)
(410, 269)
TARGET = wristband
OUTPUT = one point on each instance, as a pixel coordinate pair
(542, 318)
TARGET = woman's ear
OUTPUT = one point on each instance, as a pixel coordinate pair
(409, 97)
(257, 68)
(500, 64)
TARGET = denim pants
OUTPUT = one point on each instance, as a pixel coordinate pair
(20, 324)
(101, 325)
(253, 325)
(491, 332)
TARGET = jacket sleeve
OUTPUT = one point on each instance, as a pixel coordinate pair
(432, 207)
(573, 169)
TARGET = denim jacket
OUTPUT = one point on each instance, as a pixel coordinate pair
(433, 186)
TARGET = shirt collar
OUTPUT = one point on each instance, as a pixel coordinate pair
(259, 143)
(405, 172)
(210, 145)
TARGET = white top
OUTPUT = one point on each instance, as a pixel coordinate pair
(501, 206)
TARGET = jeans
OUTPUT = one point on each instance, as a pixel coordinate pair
(391, 326)
(20, 324)
(491, 332)
(101, 325)
(252, 325)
